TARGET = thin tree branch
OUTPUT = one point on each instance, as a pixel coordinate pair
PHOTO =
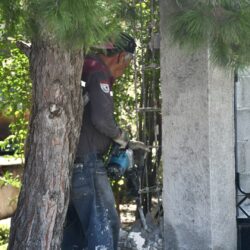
(24, 47)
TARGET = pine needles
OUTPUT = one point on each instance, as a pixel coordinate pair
(223, 24)
(74, 23)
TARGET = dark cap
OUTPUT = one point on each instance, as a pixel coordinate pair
(124, 42)
(121, 42)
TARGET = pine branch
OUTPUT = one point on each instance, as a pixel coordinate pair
(222, 24)
(74, 23)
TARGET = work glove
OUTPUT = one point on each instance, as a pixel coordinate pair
(122, 139)
(134, 145)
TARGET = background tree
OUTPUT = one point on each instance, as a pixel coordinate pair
(15, 96)
(139, 111)
(58, 32)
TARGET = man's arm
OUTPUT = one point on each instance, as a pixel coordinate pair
(102, 107)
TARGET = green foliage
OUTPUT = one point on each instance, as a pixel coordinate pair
(124, 99)
(4, 247)
(74, 23)
(223, 25)
(9, 179)
(4, 237)
(11, 17)
(15, 96)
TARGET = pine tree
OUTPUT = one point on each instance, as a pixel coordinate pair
(223, 25)
(59, 32)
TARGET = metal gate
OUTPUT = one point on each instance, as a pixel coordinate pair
(242, 150)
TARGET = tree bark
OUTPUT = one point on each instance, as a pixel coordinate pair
(50, 148)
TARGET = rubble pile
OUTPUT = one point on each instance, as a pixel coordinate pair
(141, 238)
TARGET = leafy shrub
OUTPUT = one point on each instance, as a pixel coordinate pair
(8, 178)
(4, 236)
(15, 96)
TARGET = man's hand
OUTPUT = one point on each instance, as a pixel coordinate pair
(122, 139)
(138, 145)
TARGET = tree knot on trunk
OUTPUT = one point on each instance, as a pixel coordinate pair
(54, 110)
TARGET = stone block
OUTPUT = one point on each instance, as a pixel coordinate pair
(243, 157)
(244, 91)
(245, 182)
(243, 125)
(244, 73)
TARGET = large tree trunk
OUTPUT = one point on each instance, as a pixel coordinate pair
(50, 148)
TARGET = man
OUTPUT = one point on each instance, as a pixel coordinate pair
(92, 222)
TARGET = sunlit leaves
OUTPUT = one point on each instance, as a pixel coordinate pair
(9, 179)
(15, 96)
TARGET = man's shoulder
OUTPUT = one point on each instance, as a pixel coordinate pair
(94, 68)
(100, 78)
(100, 81)
(100, 75)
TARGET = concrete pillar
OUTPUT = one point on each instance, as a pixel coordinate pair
(198, 149)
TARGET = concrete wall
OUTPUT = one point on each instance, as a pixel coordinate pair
(198, 149)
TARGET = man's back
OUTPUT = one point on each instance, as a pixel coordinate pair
(98, 125)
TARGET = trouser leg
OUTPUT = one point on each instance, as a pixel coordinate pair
(106, 206)
(83, 200)
(73, 237)
(93, 202)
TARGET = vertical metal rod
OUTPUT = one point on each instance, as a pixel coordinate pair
(235, 132)
(144, 104)
(135, 83)
(153, 72)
